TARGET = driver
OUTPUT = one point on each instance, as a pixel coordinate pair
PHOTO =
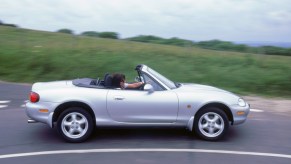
(118, 80)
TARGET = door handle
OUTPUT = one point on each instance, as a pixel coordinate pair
(118, 98)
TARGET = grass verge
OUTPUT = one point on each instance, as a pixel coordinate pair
(31, 56)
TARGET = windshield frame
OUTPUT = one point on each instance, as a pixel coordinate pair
(167, 82)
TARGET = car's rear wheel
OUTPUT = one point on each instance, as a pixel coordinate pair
(211, 123)
(75, 124)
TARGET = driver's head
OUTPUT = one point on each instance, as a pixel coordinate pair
(117, 79)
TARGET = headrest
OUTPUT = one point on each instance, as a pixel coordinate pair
(107, 80)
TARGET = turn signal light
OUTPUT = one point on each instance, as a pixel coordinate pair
(240, 113)
(33, 97)
(43, 110)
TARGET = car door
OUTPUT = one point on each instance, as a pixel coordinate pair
(138, 106)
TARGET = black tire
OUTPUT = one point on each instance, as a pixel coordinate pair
(75, 125)
(211, 124)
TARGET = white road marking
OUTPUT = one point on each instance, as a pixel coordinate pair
(4, 101)
(23, 105)
(144, 150)
(256, 110)
(3, 106)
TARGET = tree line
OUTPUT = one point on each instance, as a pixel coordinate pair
(229, 46)
(111, 35)
(214, 45)
(211, 44)
(7, 24)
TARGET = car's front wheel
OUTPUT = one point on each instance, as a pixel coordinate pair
(211, 123)
(75, 124)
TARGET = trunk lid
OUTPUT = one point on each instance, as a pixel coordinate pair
(51, 85)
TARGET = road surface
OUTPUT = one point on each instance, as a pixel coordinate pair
(264, 138)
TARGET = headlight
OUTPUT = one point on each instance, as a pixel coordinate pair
(241, 102)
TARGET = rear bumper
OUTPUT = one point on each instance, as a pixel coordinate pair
(35, 112)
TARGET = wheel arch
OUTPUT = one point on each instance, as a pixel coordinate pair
(62, 107)
(219, 105)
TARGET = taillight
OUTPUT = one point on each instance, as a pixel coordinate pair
(33, 97)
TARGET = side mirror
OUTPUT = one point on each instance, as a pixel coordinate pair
(149, 88)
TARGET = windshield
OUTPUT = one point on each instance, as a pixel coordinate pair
(163, 79)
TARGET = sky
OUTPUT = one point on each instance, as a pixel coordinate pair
(229, 20)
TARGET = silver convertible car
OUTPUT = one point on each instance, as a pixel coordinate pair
(77, 107)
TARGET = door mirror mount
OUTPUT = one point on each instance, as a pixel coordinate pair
(149, 88)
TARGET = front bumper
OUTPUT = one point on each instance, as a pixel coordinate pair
(240, 114)
(36, 112)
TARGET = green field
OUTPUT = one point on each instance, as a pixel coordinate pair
(31, 56)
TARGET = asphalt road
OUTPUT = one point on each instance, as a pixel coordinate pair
(264, 138)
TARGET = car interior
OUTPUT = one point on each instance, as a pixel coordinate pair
(97, 83)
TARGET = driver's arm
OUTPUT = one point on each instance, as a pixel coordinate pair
(133, 85)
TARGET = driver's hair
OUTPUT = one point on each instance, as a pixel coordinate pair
(117, 78)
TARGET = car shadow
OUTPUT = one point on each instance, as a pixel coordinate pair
(131, 137)
(142, 133)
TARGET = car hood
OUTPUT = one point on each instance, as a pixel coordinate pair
(186, 87)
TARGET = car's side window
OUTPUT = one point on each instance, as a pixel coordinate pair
(149, 80)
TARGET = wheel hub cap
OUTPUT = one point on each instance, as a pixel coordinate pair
(74, 125)
(211, 124)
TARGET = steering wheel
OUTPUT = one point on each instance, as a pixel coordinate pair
(141, 87)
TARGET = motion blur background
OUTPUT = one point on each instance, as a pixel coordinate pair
(240, 45)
